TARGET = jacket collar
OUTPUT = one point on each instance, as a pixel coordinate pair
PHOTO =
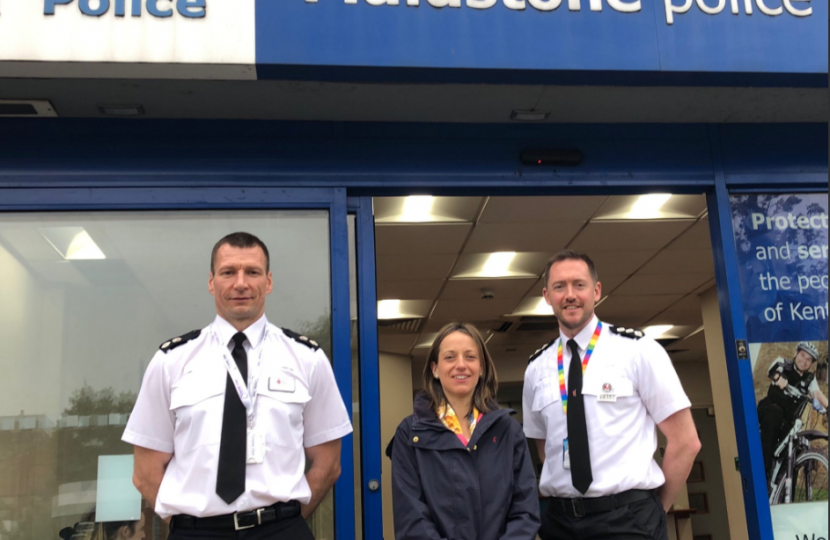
(426, 419)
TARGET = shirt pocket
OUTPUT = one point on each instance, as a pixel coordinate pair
(280, 413)
(546, 394)
(198, 401)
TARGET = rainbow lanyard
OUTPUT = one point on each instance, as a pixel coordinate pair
(561, 365)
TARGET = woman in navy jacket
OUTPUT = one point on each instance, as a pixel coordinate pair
(465, 476)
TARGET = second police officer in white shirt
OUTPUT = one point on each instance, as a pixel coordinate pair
(599, 472)
(216, 454)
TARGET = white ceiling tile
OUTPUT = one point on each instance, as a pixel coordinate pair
(408, 289)
(471, 311)
(512, 290)
(696, 261)
(540, 209)
(424, 267)
(625, 235)
(490, 237)
(610, 283)
(698, 237)
(641, 284)
(619, 263)
(427, 238)
(684, 312)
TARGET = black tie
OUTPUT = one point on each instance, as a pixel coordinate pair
(581, 476)
(230, 477)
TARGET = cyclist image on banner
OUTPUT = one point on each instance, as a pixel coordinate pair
(793, 419)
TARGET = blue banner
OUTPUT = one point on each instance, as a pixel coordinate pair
(781, 242)
(645, 36)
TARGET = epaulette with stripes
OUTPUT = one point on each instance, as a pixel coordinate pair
(539, 352)
(632, 333)
(171, 344)
(299, 338)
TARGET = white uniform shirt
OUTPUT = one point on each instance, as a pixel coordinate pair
(179, 411)
(621, 434)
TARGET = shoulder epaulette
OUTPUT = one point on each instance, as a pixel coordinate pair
(171, 344)
(539, 352)
(632, 333)
(308, 342)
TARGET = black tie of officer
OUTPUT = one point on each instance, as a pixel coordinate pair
(581, 475)
(230, 477)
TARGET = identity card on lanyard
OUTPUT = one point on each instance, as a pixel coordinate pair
(255, 437)
(560, 364)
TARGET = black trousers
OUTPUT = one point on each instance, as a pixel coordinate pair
(642, 520)
(287, 529)
(772, 420)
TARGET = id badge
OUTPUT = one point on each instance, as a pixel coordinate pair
(282, 384)
(256, 447)
(566, 455)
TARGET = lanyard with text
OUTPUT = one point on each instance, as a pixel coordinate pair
(246, 396)
(561, 365)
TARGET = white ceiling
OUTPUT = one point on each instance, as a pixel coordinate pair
(652, 271)
(490, 103)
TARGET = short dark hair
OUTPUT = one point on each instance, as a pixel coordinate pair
(571, 255)
(240, 240)
(484, 395)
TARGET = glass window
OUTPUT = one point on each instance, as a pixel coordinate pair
(85, 300)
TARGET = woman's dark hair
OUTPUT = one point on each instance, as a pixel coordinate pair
(111, 528)
(484, 395)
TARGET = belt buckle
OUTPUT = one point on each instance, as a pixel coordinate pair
(578, 508)
(239, 527)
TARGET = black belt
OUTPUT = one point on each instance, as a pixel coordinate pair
(595, 505)
(239, 520)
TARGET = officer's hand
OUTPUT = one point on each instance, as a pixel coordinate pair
(781, 383)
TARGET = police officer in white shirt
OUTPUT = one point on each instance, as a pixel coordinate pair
(227, 415)
(592, 399)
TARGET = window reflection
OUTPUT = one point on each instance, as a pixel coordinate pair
(78, 332)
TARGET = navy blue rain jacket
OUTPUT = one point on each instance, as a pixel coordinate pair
(443, 490)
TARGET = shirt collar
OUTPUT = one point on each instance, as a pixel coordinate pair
(255, 333)
(583, 338)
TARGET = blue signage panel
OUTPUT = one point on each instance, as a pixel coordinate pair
(781, 242)
(644, 36)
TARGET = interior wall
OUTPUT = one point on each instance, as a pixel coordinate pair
(724, 418)
(694, 376)
(716, 521)
(396, 399)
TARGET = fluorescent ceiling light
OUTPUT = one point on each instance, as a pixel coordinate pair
(417, 208)
(657, 331)
(389, 309)
(73, 243)
(498, 263)
(648, 206)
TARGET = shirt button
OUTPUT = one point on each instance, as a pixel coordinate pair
(475, 447)
(414, 439)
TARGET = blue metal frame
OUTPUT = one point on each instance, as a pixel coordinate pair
(741, 384)
(342, 351)
(375, 159)
(235, 198)
(369, 371)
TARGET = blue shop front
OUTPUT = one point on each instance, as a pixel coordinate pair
(388, 152)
